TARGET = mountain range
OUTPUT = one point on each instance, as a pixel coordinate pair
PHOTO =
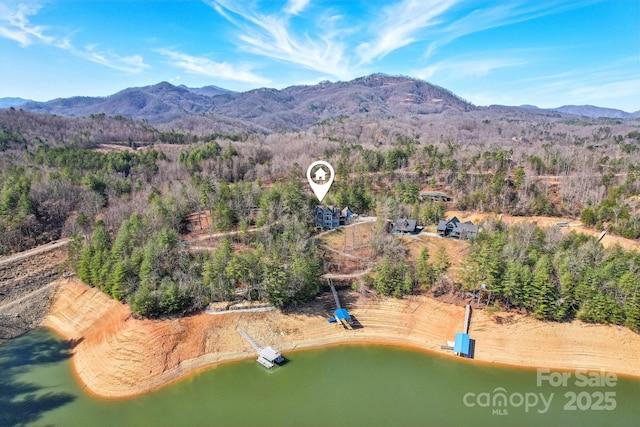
(290, 109)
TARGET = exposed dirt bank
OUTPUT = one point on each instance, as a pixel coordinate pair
(26, 288)
(118, 356)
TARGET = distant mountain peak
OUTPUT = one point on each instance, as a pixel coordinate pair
(290, 109)
(12, 102)
(595, 112)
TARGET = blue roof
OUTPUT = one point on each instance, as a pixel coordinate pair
(461, 345)
(342, 313)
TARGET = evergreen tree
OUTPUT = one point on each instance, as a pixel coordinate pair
(392, 277)
(215, 276)
(275, 282)
(118, 280)
(144, 301)
(425, 274)
(632, 311)
(543, 289)
(84, 265)
(442, 263)
(511, 288)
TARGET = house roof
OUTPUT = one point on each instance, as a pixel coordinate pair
(468, 227)
(433, 194)
(269, 353)
(405, 225)
(335, 210)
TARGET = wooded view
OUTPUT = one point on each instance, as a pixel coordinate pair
(128, 194)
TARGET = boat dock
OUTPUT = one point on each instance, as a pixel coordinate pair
(267, 356)
(467, 319)
(341, 315)
(463, 344)
(335, 295)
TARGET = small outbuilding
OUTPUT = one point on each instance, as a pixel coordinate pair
(435, 196)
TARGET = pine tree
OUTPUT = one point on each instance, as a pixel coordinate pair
(392, 278)
(145, 302)
(442, 263)
(424, 271)
(84, 265)
(118, 280)
(632, 311)
(511, 289)
(543, 289)
(100, 237)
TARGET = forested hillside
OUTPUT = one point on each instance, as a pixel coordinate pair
(554, 276)
(123, 190)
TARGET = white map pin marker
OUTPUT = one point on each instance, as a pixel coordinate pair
(320, 182)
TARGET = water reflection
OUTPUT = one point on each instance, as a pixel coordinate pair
(24, 402)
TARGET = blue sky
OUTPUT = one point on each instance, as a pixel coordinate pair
(541, 52)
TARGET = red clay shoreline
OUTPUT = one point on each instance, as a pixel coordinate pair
(120, 357)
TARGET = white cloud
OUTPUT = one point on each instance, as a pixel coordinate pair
(403, 24)
(15, 25)
(271, 36)
(498, 14)
(344, 47)
(129, 64)
(209, 68)
(296, 6)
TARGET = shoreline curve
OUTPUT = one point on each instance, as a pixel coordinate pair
(118, 356)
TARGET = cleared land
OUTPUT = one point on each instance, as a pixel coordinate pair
(547, 221)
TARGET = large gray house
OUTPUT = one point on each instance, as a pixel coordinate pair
(329, 217)
(456, 229)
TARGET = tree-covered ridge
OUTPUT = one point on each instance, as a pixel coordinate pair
(36, 201)
(149, 267)
(554, 276)
(65, 180)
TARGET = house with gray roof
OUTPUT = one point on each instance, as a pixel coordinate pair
(403, 225)
(456, 229)
(330, 217)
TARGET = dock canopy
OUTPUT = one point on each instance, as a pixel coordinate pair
(271, 355)
(342, 313)
(461, 345)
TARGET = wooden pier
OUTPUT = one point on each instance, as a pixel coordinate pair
(463, 344)
(267, 356)
(341, 315)
(335, 294)
(467, 319)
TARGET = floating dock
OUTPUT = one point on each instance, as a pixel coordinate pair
(267, 356)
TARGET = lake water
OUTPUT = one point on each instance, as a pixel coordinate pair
(339, 386)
